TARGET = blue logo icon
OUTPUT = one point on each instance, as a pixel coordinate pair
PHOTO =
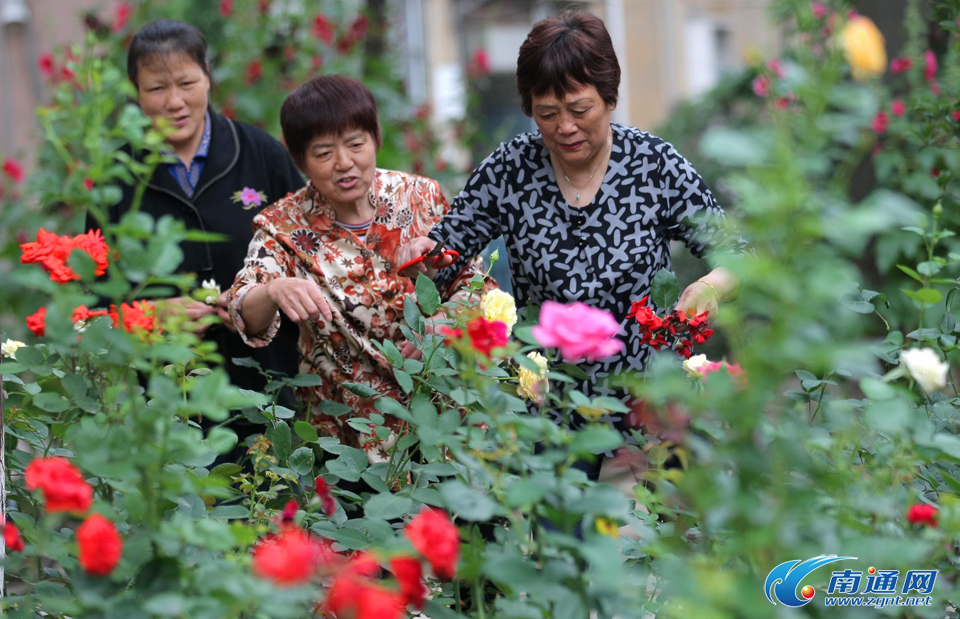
(783, 580)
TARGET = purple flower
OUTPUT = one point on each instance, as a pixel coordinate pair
(250, 196)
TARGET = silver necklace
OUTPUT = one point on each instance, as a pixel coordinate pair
(589, 178)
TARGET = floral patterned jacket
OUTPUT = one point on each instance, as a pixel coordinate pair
(299, 237)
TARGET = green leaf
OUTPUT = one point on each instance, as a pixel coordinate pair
(412, 366)
(427, 296)
(364, 391)
(411, 313)
(334, 409)
(306, 380)
(30, 356)
(301, 460)
(75, 386)
(910, 272)
(351, 539)
(948, 323)
(573, 370)
(387, 506)
(389, 406)
(230, 512)
(280, 437)
(466, 502)
(525, 335)
(664, 290)
(404, 380)
(854, 302)
(928, 268)
(595, 439)
(51, 402)
(305, 431)
(349, 465)
(928, 296)
(392, 353)
(222, 440)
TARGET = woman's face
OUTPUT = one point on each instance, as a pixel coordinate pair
(575, 127)
(342, 167)
(176, 88)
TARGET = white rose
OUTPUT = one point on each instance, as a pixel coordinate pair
(924, 366)
(10, 347)
(214, 288)
(499, 305)
(694, 364)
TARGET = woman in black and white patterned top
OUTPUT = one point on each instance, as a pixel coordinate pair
(587, 207)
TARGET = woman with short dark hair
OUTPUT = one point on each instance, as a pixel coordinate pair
(587, 207)
(326, 256)
(223, 172)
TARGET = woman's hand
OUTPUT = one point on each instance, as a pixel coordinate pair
(416, 248)
(698, 298)
(300, 299)
(409, 350)
(193, 310)
(224, 313)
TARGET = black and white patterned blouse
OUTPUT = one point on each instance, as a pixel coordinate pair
(604, 254)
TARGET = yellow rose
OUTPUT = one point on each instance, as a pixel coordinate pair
(10, 348)
(694, 364)
(533, 385)
(864, 47)
(607, 527)
(499, 305)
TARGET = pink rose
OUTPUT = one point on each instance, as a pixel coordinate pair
(898, 108)
(578, 330)
(761, 86)
(819, 10)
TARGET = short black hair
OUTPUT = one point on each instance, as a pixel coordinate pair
(327, 105)
(563, 51)
(164, 37)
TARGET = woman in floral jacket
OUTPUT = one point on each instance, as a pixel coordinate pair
(326, 255)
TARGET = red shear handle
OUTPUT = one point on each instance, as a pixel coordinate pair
(436, 259)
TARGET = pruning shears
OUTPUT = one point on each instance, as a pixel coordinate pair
(436, 253)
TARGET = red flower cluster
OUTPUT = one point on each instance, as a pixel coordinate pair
(323, 29)
(900, 65)
(254, 72)
(291, 557)
(880, 122)
(356, 33)
(353, 594)
(52, 252)
(140, 317)
(482, 335)
(13, 169)
(11, 538)
(121, 16)
(37, 322)
(927, 515)
(63, 486)
(100, 545)
(676, 324)
(323, 493)
(435, 537)
(82, 314)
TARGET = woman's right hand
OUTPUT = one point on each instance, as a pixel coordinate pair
(300, 299)
(416, 248)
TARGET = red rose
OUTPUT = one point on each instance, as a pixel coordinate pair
(358, 598)
(121, 16)
(82, 314)
(13, 169)
(289, 558)
(254, 72)
(37, 322)
(435, 537)
(323, 491)
(480, 64)
(930, 65)
(11, 538)
(226, 8)
(53, 253)
(956, 115)
(323, 29)
(898, 108)
(64, 488)
(289, 511)
(46, 65)
(485, 335)
(137, 318)
(100, 545)
(923, 514)
(88, 184)
(409, 574)
(900, 65)
(880, 123)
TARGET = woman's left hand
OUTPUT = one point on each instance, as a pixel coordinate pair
(224, 313)
(698, 298)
